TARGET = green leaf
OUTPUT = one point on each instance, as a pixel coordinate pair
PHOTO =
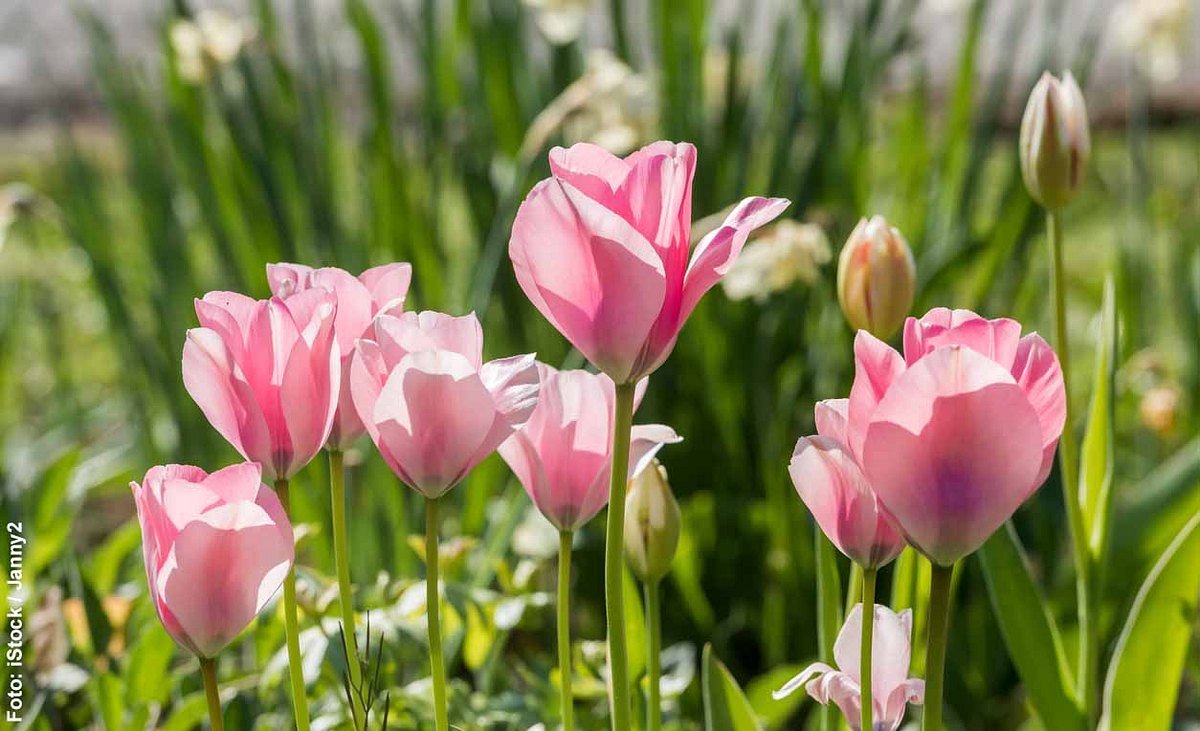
(725, 706)
(187, 715)
(635, 627)
(1149, 660)
(1029, 631)
(147, 679)
(53, 513)
(774, 713)
(102, 567)
(1096, 464)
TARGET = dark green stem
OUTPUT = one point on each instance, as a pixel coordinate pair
(1068, 456)
(614, 562)
(433, 612)
(653, 657)
(341, 558)
(291, 624)
(868, 630)
(208, 670)
(935, 652)
(564, 629)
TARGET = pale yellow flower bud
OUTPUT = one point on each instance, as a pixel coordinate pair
(1054, 141)
(652, 521)
(876, 278)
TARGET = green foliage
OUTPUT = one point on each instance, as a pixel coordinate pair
(725, 706)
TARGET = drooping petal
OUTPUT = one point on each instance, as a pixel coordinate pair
(590, 273)
(716, 252)
(645, 442)
(952, 450)
(800, 679)
(912, 690)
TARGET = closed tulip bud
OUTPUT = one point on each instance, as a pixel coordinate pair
(652, 521)
(876, 278)
(1054, 141)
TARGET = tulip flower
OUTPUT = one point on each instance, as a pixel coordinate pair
(359, 300)
(266, 374)
(601, 249)
(1054, 142)
(831, 483)
(876, 278)
(953, 436)
(890, 687)
(435, 410)
(562, 456)
(216, 547)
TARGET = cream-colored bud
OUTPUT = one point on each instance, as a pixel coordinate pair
(1055, 144)
(876, 278)
(652, 521)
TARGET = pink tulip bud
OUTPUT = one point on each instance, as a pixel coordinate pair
(431, 405)
(266, 374)
(359, 300)
(833, 487)
(876, 278)
(1054, 141)
(217, 548)
(601, 249)
(958, 432)
(891, 689)
(563, 453)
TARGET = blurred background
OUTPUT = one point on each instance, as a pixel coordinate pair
(150, 152)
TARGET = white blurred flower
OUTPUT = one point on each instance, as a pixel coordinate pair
(561, 21)
(1156, 33)
(535, 537)
(782, 254)
(211, 40)
(609, 105)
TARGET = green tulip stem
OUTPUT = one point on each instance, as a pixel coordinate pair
(653, 657)
(341, 557)
(935, 648)
(208, 669)
(291, 623)
(1068, 460)
(433, 611)
(868, 630)
(564, 629)
(614, 562)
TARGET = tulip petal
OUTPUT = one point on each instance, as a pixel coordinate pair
(1038, 373)
(658, 190)
(592, 169)
(412, 332)
(997, 339)
(433, 413)
(388, 285)
(800, 679)
(832, 416)
(716, 252)
(891, 651)
(207, 376)
(840, 499)
(587, 270)
(912, 690)
(645, 440)
(952, 450)
(876, 365)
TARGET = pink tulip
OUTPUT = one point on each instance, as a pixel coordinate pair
(956, 434)
(563, 454)
(359, 300)
(266, 374)
(431, 405)
(601, 249)
(217, 548)
(833, 487)
(891, 690)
